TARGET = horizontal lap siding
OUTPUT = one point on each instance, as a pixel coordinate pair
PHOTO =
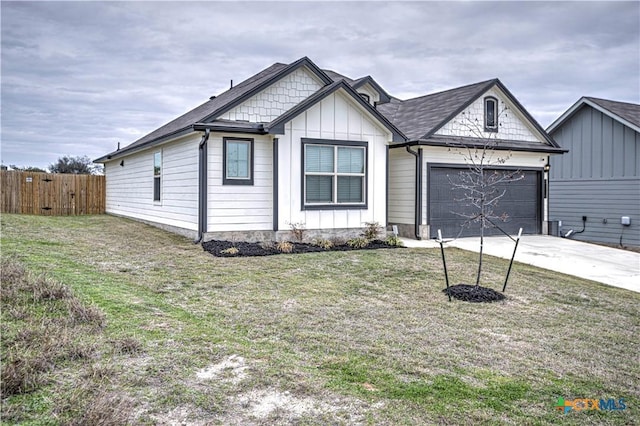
(130, 187)
(241, 207)
(402, 183)
(598, 200)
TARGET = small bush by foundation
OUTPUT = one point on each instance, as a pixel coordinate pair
(219, 248)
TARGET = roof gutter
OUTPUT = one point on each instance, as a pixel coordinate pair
(202, 186)
(215, 127)
(423, 142)
(153, 142)
(418, 195)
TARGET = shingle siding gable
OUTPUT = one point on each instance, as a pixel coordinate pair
(276, 99)
(470, 122)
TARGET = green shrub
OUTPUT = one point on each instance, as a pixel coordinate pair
(358, 242)
(371, 230)
(394, 240)
(324, 243)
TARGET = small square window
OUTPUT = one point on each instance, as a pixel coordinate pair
(238, 161)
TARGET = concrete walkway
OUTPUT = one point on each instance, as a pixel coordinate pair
(611, 266)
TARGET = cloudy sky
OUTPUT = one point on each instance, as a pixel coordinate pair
(79, 77)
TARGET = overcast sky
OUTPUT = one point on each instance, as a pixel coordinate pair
(79, 77)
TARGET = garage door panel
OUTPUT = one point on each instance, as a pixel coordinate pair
(520, 202)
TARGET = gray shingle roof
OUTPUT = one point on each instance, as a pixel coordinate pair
(200, 113)
(624, 110)
(337, 76)
(415, 119)
(419, 117)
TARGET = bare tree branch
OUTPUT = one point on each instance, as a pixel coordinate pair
(481, 185)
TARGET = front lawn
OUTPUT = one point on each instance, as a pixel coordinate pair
(358, 337)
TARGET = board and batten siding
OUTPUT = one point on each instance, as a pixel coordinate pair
(130, 186)
(336, 117)
(232, 208)
(598, 178)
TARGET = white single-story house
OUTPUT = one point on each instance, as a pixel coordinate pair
(297, 145)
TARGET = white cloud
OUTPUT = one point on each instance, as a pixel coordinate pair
(79, 77)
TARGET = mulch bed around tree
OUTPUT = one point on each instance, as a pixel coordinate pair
(216, 248)
(469, 293)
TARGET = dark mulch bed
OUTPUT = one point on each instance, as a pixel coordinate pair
(469, 293)
(215, 247)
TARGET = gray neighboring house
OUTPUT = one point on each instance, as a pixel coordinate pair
(597, 184)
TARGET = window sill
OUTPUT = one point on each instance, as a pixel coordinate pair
(237, 182)
(335, 207)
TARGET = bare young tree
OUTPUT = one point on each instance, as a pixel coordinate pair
(480, 185)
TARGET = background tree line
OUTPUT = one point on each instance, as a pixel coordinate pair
(81, 165)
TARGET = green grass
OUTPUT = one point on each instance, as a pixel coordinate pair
(363, 337)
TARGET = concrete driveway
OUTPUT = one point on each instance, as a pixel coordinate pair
(611, 266)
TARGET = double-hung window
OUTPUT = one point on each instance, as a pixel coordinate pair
(157, 175)
(334, 174)
(491, 114)
(238, 161)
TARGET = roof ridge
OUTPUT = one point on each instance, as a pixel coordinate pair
(593, 98)
(466, 86)
(255, 76)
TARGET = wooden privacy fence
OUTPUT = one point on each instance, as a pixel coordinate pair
(52, 194)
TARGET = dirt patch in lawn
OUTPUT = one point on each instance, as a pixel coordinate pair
(232, 369)
(221, 248)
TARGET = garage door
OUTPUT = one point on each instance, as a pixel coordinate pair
(521, 203)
